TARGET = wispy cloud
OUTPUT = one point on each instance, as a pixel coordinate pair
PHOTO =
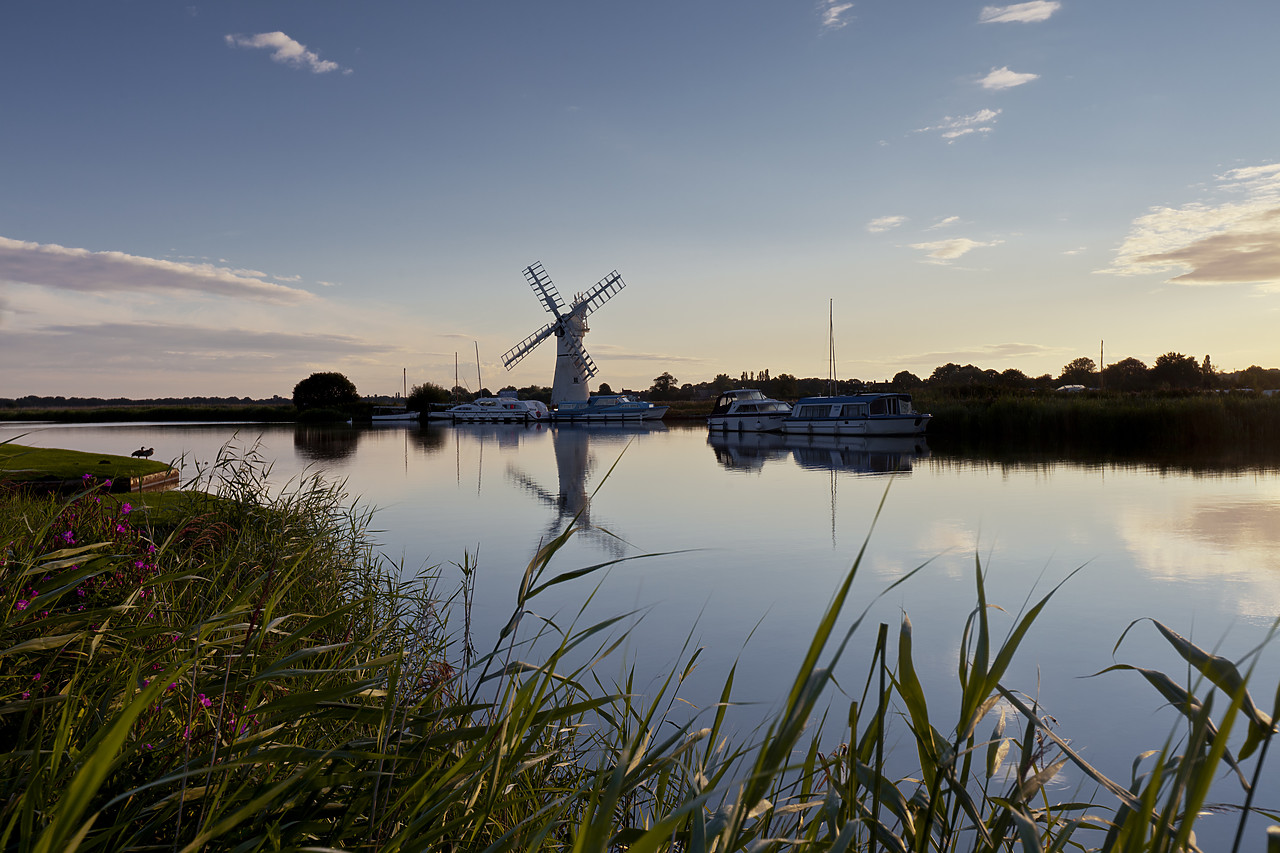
(53, 266)
(1236, 241)
(944, 223)
(110, 348)
(833, 14)
(885, 223)
(1025, 13)
(942, 251)
(952, 127)
(287, 51)
(1003, 78)
(981, 353)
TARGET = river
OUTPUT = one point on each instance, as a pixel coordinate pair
(756, 533)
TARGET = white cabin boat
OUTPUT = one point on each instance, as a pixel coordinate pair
(608, 407)
(748, 410)
(392, 415)
(500, 409)
(872, 413)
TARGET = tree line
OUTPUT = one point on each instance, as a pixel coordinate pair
(1172, 371)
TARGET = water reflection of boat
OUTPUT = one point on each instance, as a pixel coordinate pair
(870, 454)
(746, 451)
(505, 435)
(859, 454)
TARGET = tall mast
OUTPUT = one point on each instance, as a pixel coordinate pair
(831, 347)
(479, 381)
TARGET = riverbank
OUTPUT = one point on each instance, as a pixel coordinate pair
(252, 674)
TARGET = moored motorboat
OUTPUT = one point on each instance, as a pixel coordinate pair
(500, 409)
(608, 407)
(392, 415)
(747, 410)
(871, 413)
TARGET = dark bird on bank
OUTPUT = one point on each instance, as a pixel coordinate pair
(144, 452)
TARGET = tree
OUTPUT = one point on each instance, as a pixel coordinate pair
(1014, 378)
(785, 387)
(324, 391)
(604, 388)
(664, 385)
(905, 380)
(422, 397)
(721, 383)
(1081, 371)
(1208, 372)
(1129, 374)
(1175, 370)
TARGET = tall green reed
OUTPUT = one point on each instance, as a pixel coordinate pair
(253, 676)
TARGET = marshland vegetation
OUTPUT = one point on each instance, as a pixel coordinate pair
(240, 669)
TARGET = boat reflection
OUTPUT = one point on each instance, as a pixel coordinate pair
(506, 435)
(857, 454)
(747, 451)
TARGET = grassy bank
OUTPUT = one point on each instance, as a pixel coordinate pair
(249, 674)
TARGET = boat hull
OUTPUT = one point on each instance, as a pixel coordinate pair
(750, 422)
(500, 410)
(615, 408)
(869, 414)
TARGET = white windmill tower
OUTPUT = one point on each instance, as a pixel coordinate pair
(573, 366)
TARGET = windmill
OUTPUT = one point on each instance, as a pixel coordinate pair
(573, 366)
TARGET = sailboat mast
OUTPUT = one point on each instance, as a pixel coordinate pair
(831, 348)
(479, 381)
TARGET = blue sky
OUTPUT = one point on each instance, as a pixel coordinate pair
(221, 198)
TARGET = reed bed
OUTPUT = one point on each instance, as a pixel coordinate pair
(254, 676)
(1105, 422)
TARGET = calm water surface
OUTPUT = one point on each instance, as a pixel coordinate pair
(766, 529)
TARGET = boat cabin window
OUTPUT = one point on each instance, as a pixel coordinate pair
(810, 412)
(853, 410)
(880, 406)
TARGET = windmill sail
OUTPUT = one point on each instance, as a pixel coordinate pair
(541, 284)
(574, 366)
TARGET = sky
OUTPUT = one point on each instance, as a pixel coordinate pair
(218, 199)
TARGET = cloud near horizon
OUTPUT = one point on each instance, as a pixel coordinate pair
(287, 51)
(80, 270)
(1019, 13)
(1235, 242)
(110, 348)
(942, 251)
(990, 351)
(1003, 78)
